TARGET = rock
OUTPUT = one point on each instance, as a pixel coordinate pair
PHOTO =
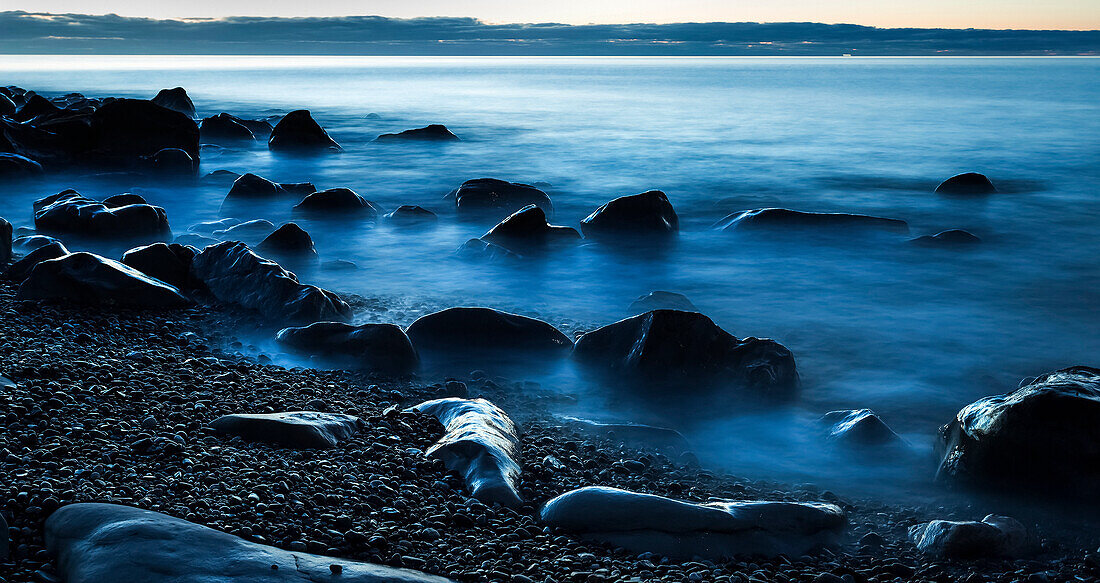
(173, 161)
(949, 238)
(527, 229)
(6, 231)
(994, 536)
(3, 540)
(195, 240)
(90, 279)
(95, 543)
(28, 243)
(260, 128)
(19, 270)
(249, 186)
(127, 130)
(787, 220)
(7, 106)
(489, 195)
(663, 348)
(124, 199)
(224, 128)
(433, 133)
(16, 166)
(69, 212)
(859, 427)
(654, 524)
(468, 330)
(380, 347)
(175, 99)
(168, 263)
(966, 183)
(480, 443)
(337, 200)
(36, 108)
(1044, 437)
(662, 300)
(289, 240)
(478, 249)
(210, 227)
(638, 215)
(633, 434)
(410, 214)
(236, 275)
(248, 230)
(293, 429)
(299, 132)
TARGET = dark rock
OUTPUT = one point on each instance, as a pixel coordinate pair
(787, 220)
(224, 128)
(209, 227)
(289, 240)
(5, 241)
(484, 195)
(69, 212)
(93, 542)
(647, 523)
(19, 270)
(337, 200)
(175, 99)
(236, 275)
(260, 128)
(478, 249)
(638, 215)
(481, 444)
(993, 537)
(16, 166)
(90, 279)
(126, 198)
(168, 263)
(949, 238)
(409, 214)
(173, 161)
(381, 347)
(1044, 436)
(220, 177)
(859, 427)
(250, 186)
(966, 183)
(434, 133)
(662, 300)
(7, 106)
(37, 107)
(299, 132)
(483, 329)
(670, 347)
(195, 240)
(28, 243)
(128, 130)
(527, 229)
(293, 429)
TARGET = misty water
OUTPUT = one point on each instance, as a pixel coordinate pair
(912, 332)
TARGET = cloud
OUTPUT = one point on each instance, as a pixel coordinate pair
(29, 33)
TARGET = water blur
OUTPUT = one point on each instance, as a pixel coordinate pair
(911, 332)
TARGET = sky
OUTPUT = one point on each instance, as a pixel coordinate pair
(990, 14)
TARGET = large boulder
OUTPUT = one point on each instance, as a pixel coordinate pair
(16, 166)
(299, 132)
(787, 220)
(489, 195)
(6, 231)
(647, 214)
(480, 443)
(293, 429)
(966, 183)
(527, 229)
(170, 263)
(859, 427)
(97, 543)
(432, 133)
(341, 201)
(1045, 437)
(666, 348)
(289, 240)
(175, 99)
(654, 524)
(224, 128)
(236, 275)
(462, 330)
(993, 537)
(90, 279)
(69, 212)
(125, 131)
(381, 347)
(19, 270)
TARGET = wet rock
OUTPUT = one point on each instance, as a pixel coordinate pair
(28, 243)
(949, 238)
(459, 330)
(859, 427)
(787, 220)
(256, 229)
(173, 161)
(299, 132)
(220, 177)
(638, 215)
(431, 133)
(293, 429)
(633, 434)
(480, 443)
(527, 229)
(93, 542)
(662, 300)
(69, 212)
(489, 195)
(5, 241)
(409, 214)
(210, 227)
(36, 108)
(337, 200)
(16, 166)
(994, 536)
(195, 240)
(670, 347)
(124, 199)
(224, 128)
(380, 347)
(236, 275)
(289, 240)
(1044, 436)
(477, 249)
(128, 130)
(250, 186)
(19, 270)
(90, 279)
(966, 183)
(647, 523)
(170, 263)
(7, 106)
(175, 99)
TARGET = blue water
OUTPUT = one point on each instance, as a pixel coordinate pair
(913, 333)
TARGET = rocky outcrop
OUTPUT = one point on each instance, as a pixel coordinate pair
(480, 443)
(480, 330)
(966, 183)
(170, 263)
(787, 220)
(949, 238)
(90, 279)
(380, 347)
(19, 270)
(662, 300)
(69, 212)
(859, 427)
(289, 240)
(293, 429)
(339, 201)
(431, 133)
(256, 229)
(662, 348)
(236, 275)
(527, 229)
(126, 131)
(638, 215)
(175, 99)
(298, 132)
(96, 543)
(224, 128)
(993, 537)
(489, 195)
(647, 523)
(410, 214)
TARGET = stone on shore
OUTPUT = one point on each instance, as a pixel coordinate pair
(224, 128)
(478, 249)
(251, 186)
(662, 300)
(490, 195)
(69, 212)
(175, 99)
(28, 243)
(298, 132)
(338, 202)
(468, 330)
(170, 263)
(967, 183)
(293, 429)
(646, 214)
(173, 161)
(380, 347)
(90, 279)
(993, 537)
(290, 241)
(527, 229)
(480, 443)
(859, 427)
(99, 543)
(655, 524)
(19, 270)
(432, 133)
(787, 220)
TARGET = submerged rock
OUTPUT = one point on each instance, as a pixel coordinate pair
(223, 128)
(480, 250)
(966, 183)
(380, 347)
(949, 238)
(19, 270)
(663, 348)
(1045, 437)
(483, 195)
(638, 215)
(16, 166)
(433, 133)
(251, 186)
(662, 300)
(289, 240)
(480, 443)
(173, 161)
(96, 543)
(293, 429)
(170, 263)
(993, 537)
(784, 220)
(175, 99)
(299, 132)
(410, 214)
(343, 201)
(647, 523)
(463, 330)
(236, 275)
(527, 229)
(859, 427)
(90, 279)
(69, 212)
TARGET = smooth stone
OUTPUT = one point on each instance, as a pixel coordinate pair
(175, 99)
(432, 133)
(90, 279)
(993, 537)
(464, 330)
(251, 186)
(16, 166)
(224, 128)
(791, 220)
(299, 132)
(28, 243)
(288, 240)
(859, 427)
(337, 200)
(662, 300)
(490, 195)
(380, 347)
(636, 215)
(220, 177)
(966, 183)
(478, 249)
(655, 524)
(293, 429)
(410, 214)
(128, 130)
(528, 229)
(256, 229)
(19, 270)
(69, 212)
(170, 263)
(480, 442)
(173, 161)
(124, 199)
(633, 434)
(195, 240)
(100, 543)
(209, 227)
(949, 238)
